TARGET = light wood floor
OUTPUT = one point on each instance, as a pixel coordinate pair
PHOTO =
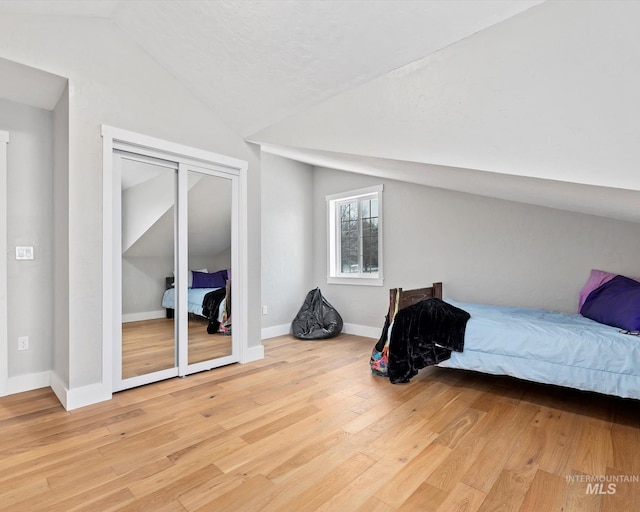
(309, 428)
(149, 346)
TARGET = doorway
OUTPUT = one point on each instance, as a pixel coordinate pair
(176, 253)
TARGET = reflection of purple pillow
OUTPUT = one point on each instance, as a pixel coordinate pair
(616, 303)
(213, 280)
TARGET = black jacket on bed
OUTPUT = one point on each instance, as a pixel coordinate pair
(423, 335)
(211, 308)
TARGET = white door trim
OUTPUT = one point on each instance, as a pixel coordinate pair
(4, 345)
(115, 138)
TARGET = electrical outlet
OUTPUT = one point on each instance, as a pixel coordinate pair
(23, 343)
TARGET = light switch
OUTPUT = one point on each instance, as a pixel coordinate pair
(24, 253)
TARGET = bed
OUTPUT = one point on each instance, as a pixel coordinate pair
(210, 302)
(541, 346)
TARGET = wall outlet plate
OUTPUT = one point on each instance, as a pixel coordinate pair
(23, 343)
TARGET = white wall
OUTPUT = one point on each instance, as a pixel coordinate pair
(287, 238)
(482, 249)
(29, 223)
(143, 284)
(113, 81)
(219, 261)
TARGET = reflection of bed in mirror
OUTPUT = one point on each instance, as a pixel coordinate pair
(208, 297)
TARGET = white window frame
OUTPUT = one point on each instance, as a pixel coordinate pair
(334, 276)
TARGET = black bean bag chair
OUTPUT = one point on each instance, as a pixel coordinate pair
(317, 319)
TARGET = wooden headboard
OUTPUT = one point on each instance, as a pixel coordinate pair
(406, 298)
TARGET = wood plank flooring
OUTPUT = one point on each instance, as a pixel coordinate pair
(149, 346)
(309, 428)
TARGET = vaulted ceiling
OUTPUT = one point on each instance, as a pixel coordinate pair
(256, 62)
(528, 100)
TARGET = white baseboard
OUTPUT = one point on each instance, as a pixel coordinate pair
(59, 388)
(276, 330)
(145, 315)
(358, 330)
(362, 330)
(78, 397)
(253, 354)
(28, 382)
(87, 395)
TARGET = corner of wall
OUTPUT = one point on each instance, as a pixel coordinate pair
(28, 382)
(61, 236)
(253, 353)
(59, 388)
(78, 397)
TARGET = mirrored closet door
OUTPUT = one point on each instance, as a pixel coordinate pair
(209, 250)
(206, 200)
(148, 215)
(176, 249)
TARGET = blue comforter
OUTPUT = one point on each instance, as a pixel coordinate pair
(550, 347)
(194, 299)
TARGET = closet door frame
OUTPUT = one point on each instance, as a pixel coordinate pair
(115, 138)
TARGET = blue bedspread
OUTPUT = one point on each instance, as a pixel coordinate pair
(194, 299)
(550, 347)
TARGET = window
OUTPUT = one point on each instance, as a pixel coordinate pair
(355, 237)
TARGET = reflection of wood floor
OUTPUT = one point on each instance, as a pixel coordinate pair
(148, 346)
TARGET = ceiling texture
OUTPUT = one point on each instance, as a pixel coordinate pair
(303, 77)
(257, 62)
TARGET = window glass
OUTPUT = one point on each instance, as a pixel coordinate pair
(355, 237)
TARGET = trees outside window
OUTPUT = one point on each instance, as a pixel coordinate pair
(355, 237)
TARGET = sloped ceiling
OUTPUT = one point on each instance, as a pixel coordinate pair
(540, 106)
(531, 97)
(257, 62)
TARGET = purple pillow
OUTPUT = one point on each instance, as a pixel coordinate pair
(596, 278)
(615, 303)
(213, 280)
